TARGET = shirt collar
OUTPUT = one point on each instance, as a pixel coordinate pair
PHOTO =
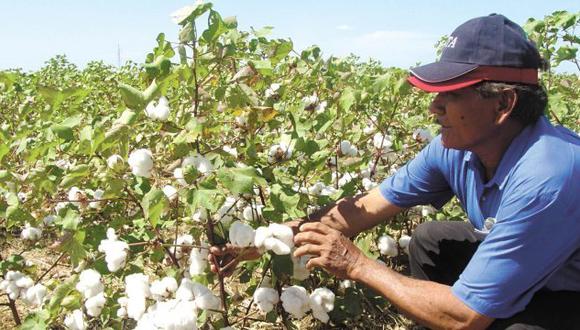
(510, 157)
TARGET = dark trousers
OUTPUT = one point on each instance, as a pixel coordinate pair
(440, 250)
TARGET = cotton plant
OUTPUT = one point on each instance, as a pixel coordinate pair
(388, 246)
(116, 251)
(141, 162)
(276, 238)
(158, 111)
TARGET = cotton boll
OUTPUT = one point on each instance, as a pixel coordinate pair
(322, 302)
(279, 152)
(404, 243)
(198, 260)
(344, 284)
(97, 196)
(77, 197)
(422, 135)
(136, 307)
(200, 163)
(283, 233)
(141, 162)
(250, 213)
(203, 297)
(321, 107)
(122, 311)
(368, 184)
(295, 301)
(182, 245)
(382, 142)
(137, 285)
(49, 220)
(388, 246)
(162, 289)
(159, 111)
(30, 233)
(94, 305)
(170, 192)
(34, 295)
(265, 299)
(199, 215)
(178, 174)
(241, 234)
(115, 162)
(115, 251)
(300, 271)
(90, 283)
(75, 320)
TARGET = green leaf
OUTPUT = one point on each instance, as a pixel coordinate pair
(59, 294)
(72, 244)
(194, 12)
(154, 202)
(63, 132)
(281, 50)
(4, 150)
(216, 27)
(240, 180)
(264, 67)
(282, 266)
(36, 321)
(17, 216)
(203, 198)
(71, 220)
(128, 117)
(132, 97)
(347, 99)
(285, 201)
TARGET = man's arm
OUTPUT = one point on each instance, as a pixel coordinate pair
(352, 215)
(426, 302)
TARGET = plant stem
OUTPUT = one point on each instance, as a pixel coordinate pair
(50, 268)
(12, 305)
(210, 236)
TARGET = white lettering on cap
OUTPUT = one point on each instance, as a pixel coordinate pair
(451, 42)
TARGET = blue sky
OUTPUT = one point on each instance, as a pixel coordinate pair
(398, 33)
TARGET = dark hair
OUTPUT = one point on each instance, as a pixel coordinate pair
(531, 103)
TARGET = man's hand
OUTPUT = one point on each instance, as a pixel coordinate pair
(225, 258)
(330, 249)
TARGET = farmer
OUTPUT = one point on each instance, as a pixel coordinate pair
(516, 262)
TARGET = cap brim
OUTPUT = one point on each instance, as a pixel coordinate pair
(442, 87)
(439, 72)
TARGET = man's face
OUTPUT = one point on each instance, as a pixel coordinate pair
(467, 120)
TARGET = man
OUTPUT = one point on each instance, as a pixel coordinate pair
(516, 263)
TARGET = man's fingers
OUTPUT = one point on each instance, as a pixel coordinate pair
(315, 226)
(305, 249)
(314, 262)
(309, 237)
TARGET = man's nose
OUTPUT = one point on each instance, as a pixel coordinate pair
(437, 106)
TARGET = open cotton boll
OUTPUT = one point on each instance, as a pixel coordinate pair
(203, 297)
(404, 243)
(198, 260)
(283, 233)
(97, 196)
(90, 283)
(172, 314)
(241, 234)
(251, 213)
(300, 271)
(170, 192)
(115, 162)
(94, 305)
(388, 246)
(182, 245)
(382, 142)
(34, 295)
(320, 107)
(279, 152)
(76, 196)
(178, 174)
(159, 111)
(136, 307)
(422, 135)
(15, 284)
(122, 311)
(200, 163)
(276, 237)
(265, 299)
(115, 251)
(75, 320)
(137, 285)
(347, 149)
(141, 162)
(162, 289)
(322, 302)
(30, 233)
(295, 301)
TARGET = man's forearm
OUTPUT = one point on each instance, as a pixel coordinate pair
(428, 303)
(352, 215)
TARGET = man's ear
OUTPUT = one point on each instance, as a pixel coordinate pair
(506, 103)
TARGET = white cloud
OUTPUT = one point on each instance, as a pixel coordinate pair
(344, 27)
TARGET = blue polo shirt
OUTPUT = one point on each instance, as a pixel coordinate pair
(534, 197)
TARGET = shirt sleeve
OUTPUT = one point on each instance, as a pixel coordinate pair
(420, 181)
(535, 234)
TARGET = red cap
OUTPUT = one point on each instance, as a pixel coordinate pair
(491, 73)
